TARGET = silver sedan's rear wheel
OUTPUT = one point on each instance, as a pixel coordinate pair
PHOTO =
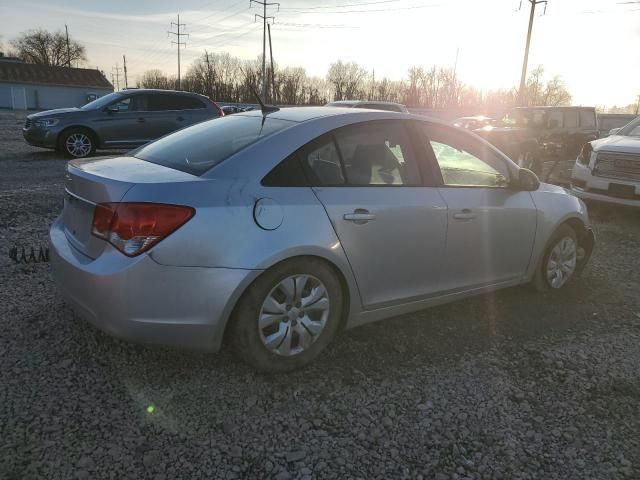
(288, 315)
(294, 315)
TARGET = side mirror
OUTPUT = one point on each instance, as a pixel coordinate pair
(614, 131)
(527, 181)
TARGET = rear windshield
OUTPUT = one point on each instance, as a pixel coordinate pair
(198, 148)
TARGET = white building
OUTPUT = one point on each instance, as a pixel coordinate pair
(25, 86)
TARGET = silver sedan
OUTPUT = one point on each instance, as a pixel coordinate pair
(276, 229)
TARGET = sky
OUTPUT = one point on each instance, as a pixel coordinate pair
(591, 44)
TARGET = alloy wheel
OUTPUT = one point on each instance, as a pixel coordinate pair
(293, 315)
(562, 262)
(78, 144)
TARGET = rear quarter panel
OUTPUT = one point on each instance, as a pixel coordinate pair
(224, 234)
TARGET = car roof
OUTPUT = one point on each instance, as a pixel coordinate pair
(303, 114)
(569, 107)
(359, 102)
(160, 90)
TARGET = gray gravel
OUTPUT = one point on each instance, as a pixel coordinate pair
(514, 385)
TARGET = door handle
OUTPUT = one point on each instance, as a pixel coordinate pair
(180, 119)
(465, 214)
(141, 120)
(359, 216)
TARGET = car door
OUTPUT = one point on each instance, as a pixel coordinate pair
(122, 123)
(491, 227)
(391, 227)
(167, 114)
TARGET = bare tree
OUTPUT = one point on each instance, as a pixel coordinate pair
(552, 93)
(48, 48)
(154, 79)
(347, 80)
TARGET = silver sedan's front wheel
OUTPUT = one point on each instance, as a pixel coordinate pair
(561, 263)
(294, 315)
(288, 315)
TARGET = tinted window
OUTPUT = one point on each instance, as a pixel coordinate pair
(288, 173)
(159, 101)
(554, 119)
(570, 119)
(123, 105)
(198, 148)
(374, 106)
(587, 119)
(464, 162)
(377, 153)
(322, 162)
(102, 101)
(191, 103)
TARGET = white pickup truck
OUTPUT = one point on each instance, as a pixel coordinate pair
(608, 169)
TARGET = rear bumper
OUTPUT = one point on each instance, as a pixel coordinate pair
(142, 301)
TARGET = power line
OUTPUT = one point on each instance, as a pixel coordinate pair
(322, 7)
(178, 43)
(264, 18)
(124, 61)
(68, 54)
(117, 75)
(525, 61)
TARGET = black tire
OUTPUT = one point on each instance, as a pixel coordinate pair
(68, 151)
(245, 334)
(540, 281)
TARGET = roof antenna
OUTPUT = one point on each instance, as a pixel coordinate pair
(266, 109)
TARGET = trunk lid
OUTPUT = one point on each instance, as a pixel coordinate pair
(98, 180)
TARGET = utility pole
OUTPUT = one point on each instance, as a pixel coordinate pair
(264, 18)
(273, 80)
(68, 54)
(124, 60)
(523, 75)
(117, 74)
(178, 43)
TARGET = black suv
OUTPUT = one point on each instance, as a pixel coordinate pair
(124, 119)
(532, 135)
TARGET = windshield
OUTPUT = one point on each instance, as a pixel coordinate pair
(101, 102)
(632, 129)
(198, 148)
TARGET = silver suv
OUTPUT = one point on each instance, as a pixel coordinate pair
(125, 119)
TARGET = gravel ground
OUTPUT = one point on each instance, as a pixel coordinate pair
(513, 385)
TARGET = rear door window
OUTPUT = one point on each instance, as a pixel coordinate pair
(587, 119)
(163, 102)
(198, 148)
(377, 153)
(554, 119)
(570, 119)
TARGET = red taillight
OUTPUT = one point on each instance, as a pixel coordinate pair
(135, 227)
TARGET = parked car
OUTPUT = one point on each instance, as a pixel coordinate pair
(608, 169)
(473, 123)
(371, 105)
(276, 230)
(608, 122)
(533, 135)
(231, 109)
(124, 119)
